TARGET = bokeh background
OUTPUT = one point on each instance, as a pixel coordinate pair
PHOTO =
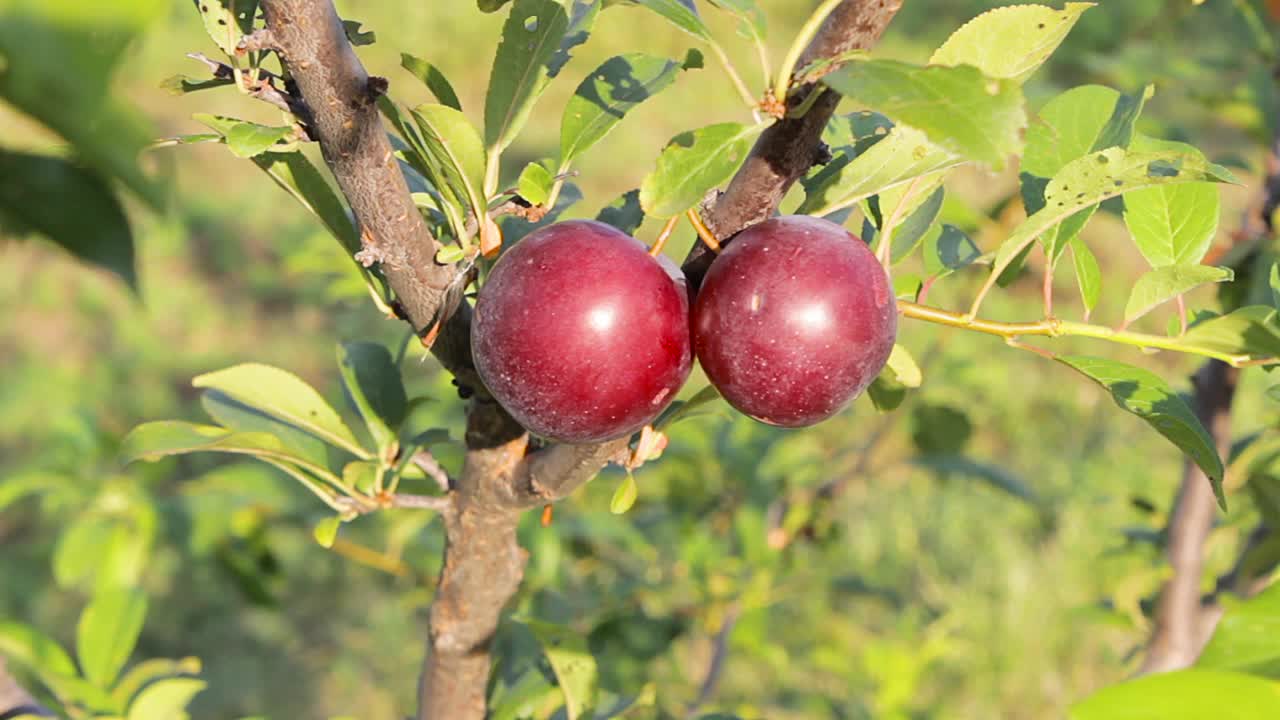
(989, 550)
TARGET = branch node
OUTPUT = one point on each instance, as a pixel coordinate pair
(257, 41)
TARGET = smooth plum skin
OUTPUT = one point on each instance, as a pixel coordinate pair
(794, 320)
(580, 334)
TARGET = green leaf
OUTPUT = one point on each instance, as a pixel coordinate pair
(244, 139)
(998, 477)
(1245, 638)
(449, 254)
(1068, 127)
(904, 367)
(1184, 695)
(1010, 42)
(1088, 274)
(886, 392)
(59, 57)
(1149, 397)
(431, 76)
(1098, 176)
(947, 249)
(958, 108)
(183, 84)
(911, 231)
(361, 475)
(107, 631)
(1172, 225)
(155, 440)
(625, 496)
(149, 671)
(530, 39)
(235, 415)
(326, 531)
(80, 549)
(490, 6)
(535, 183)
(694, 163)
(456, 146)
(903, 155)
(224, 26)
(356, 36)
(1250, 330)
(34, 649)
(1274, 281)
(294, 173)
(1166, 283)
(283, 395)
(582, 17)
(572, 663)
(695, 406)
(373, 383)
(69, 205)
(681, 13)
(624, 212)
(605, 97)
(166, 699)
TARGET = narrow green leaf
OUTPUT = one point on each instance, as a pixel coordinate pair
(373, 384)
(183, 84)
(582, 18)
(605, 97)
(1166, 283)
(149, 671)
(356, 36)
(624, 212)
(1245, 638)
(573, 665)
(958, 108)
(1097, 177)
(326, 531)
(535, 183)
(69, 205)
(911, 231)
(1088, 274)
(886, 392)
(235, 415)
(531, 37)
(34, 649)
(166, 699)
(904, 367)
(224, 25)
(456, 146)
(1149, 397)
(155, 440)
(1184, 695)
(284, 395)
(947, 249)
(1274, 280)
(1250, 330)
(994, 475)
(681, 13)
(245, 139)
(625, 496)
(903, 155)
(297, 176)
(107, 631)
(694, 163)
(431, 76)
(80, 549)
(1010, 42)
(1172, 225)
(696, 406)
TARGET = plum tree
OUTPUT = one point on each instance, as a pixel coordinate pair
(794, 320)
(581, 334)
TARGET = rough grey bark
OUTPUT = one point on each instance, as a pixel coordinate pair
(483, 563)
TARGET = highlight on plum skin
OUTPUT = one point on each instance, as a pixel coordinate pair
(580, 334)
(794, 320)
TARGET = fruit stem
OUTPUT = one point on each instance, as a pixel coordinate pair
(656, 249)
(807, 32)
(743, 91)
(704, 232)
(1053, 327)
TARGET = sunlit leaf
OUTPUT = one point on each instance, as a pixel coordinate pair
(431, 76)
(1183, 695)
(166, 699)
(530, 39)
(1175, 224)
(107, 631)
(572, 663)
(607, 95)
(694, 163)
(1244, 639)
(1010, 42)
(1166, 283)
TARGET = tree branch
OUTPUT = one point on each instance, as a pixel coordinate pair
(788, 148)
(483, 563)
(15, 701)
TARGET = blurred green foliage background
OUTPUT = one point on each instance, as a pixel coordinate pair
(988, 553)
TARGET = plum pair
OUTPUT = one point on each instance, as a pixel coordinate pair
(583, 336)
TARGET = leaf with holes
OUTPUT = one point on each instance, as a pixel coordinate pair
(958, 108)
(1010, 42)
(1098, 176)
(1149, 397)
(530, 39)
(605, 97)
(227, 21)
(1172, 225)
(694, 163)
(1164, 284)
